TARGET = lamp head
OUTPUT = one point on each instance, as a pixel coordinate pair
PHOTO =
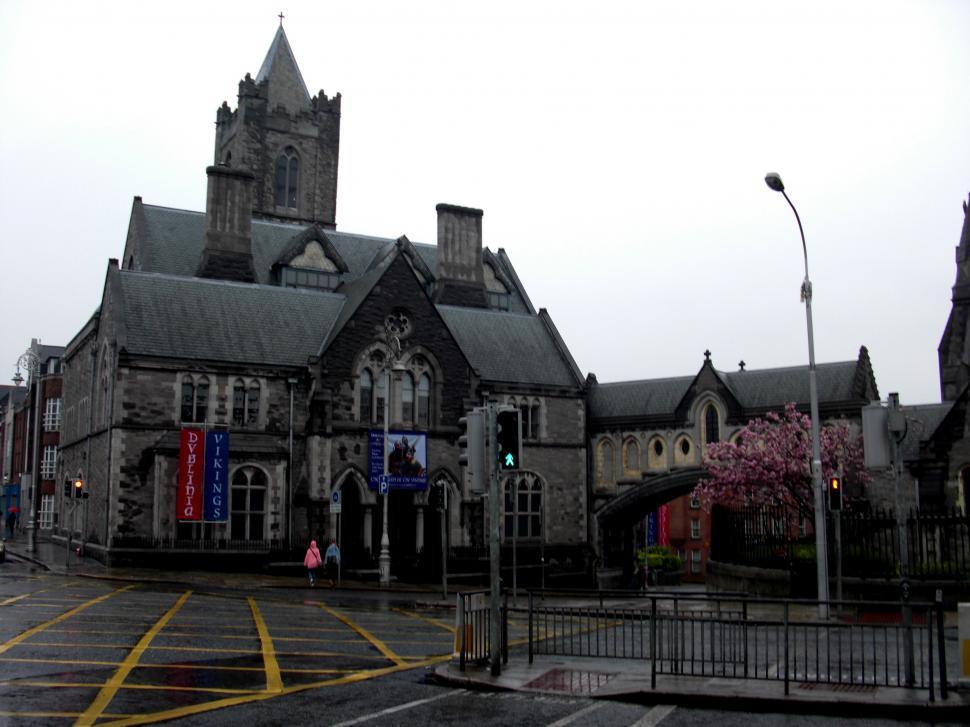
(17, 378)
(773, 180)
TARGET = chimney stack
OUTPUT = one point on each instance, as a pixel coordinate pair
(228, 250)
(460, 277)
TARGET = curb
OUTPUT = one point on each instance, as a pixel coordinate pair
(956, 708)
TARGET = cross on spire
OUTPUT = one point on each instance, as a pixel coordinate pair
(707, 355)
(281, 18)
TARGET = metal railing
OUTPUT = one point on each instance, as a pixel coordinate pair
(735, 637)
(196, 544)
(473, 636)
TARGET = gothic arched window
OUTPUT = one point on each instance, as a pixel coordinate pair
(606, 462)
(287, 178)
(711, 427)
(248, 504)
(631, 456)
(407, 399)
(195, 399)
(424, 400)
(523, 498)
(366, 396)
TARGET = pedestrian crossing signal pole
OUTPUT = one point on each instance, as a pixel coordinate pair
(495, 544)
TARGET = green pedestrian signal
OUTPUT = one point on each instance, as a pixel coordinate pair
(509, 436)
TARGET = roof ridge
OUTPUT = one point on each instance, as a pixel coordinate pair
(231, 283)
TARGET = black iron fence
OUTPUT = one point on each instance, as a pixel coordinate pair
(938, 543)
(871, 644)
(132, 542)
(473, 642)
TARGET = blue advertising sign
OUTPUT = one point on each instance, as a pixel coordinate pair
(407, 460)
(652, 528)
(215, 495)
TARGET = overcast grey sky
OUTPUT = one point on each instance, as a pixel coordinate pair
(617, 149)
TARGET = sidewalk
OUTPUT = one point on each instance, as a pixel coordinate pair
(628, 680)
(53, 557)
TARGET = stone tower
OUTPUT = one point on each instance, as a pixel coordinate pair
(288, 141)
(954, 347)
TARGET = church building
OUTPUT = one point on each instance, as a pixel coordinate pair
(259, 319)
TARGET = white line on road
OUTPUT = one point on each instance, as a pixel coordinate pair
(398, 708)
(570, 718)
(655, 716)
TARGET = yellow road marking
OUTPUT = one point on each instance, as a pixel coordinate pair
(200, 667)
(374, 641)
(180, 712)
(108, 691)
(274, 683)
(143, 687)
(54, 715)
(63, 617)
(450, 628)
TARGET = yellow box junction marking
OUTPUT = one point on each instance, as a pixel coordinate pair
(108, 691)
(274, 682)
(58, 619)
(440, 624)
(180, 712)
(373, 640)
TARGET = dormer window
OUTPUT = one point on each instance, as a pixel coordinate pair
(498, 294)
(287, 178)
(303, 278)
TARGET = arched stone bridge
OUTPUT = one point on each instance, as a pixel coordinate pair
(633, 505)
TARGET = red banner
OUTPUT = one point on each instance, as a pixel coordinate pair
(191, 469)
(663, 529)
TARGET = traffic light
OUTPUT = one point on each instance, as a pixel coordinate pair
(472, 444)
(68, 487)
(77, 485)
(509, 450)
(835, 492)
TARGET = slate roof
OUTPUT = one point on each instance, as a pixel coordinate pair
(508, 347)
(922, 423)
(173, 240)
(217, 320)
(650, 397)
(754, 389)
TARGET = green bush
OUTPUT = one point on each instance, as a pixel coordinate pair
(660, 557)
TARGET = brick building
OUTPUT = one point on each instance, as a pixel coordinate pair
(30, 435)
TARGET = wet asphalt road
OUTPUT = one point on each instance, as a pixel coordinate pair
(86, 651)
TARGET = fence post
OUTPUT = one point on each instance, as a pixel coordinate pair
(461, 632)
(530, 628)
(653, 642)
(744, 634)
(505, 628)
(786, 649)
(940, 641)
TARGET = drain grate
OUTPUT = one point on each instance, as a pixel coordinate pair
(853, 688)
(570, 681)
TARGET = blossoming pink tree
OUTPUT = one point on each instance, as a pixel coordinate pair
(771, 462)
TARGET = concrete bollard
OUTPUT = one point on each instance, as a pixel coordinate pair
(964, 624)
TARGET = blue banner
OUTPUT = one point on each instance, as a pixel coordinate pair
(215, 496)
(407, 459)
(652, 528)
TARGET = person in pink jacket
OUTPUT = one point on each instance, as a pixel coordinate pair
(312, 561)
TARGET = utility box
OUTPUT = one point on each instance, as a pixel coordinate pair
(875, 435)
(964, 636)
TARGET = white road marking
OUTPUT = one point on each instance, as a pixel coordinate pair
(655, 716)
(569, 719)
(398, 708)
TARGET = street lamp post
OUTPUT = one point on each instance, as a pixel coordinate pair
(773, 180)
(393, 343)
(29, 360)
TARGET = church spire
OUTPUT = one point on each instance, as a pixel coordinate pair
(954, 349)
(285, 82)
